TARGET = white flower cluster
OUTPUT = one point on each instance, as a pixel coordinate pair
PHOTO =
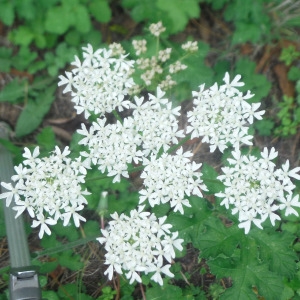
(139, 243)
(170, 178)
(221, 115)
(157, 29)
(99, 83)
(155, 68)
(48, 189)
(113, 146)
(256, 190)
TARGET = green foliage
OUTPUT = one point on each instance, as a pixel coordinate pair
(34, 111)
(260, 259)
(289, 55)
(174, 14)
(289, 116)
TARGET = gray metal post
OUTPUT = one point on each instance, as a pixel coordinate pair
(24, 282)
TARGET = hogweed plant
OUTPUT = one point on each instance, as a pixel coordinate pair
(149, 139)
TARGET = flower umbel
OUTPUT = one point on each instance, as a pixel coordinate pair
(48, 189)
(139, 243)
(221, 115)
(256, 190)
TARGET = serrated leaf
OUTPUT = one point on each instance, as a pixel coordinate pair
(218, 239)
(13, 91)
(100, 10)
(275, 249)
(34, 112)
(269, 285)
(179, 11)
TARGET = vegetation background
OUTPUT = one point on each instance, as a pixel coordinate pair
(258, 39)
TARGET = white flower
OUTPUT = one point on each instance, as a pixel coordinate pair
(190, 46)
(139, 46)
(221, 115)
(255, 190)
(138, 244)
(173, 177)
(100, 83)
(48, 188)
(157, 29)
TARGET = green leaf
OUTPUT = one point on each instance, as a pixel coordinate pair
(275, 249)
(7, 12)
(70, 260)
(24, 58)
(245, 277)
(22, 36)
(209, 177)
(264, 127)
(166, 291)
(179, 11)
(5, 59)
(217, 239)
(14, 91)
(34, 112)
(81, 15)
(50, 295)
(142, 10)
(100, 10)
(46, 138)
(59, 19)
(246, 32)
(91, 228)
(256, 83)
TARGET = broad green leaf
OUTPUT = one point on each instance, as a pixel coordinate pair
(218, 239)
(14, 91)
(22, 35)
(256, 83)
(59, 19)
(7, 12)
(34, 112)
(246, 32)
(179, 11)
(46, 138)
(275, 249)
(82, 19)
(245, 277)
(100, 10)
(142, 10)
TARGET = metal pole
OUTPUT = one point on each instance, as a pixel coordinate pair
(24, 282)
